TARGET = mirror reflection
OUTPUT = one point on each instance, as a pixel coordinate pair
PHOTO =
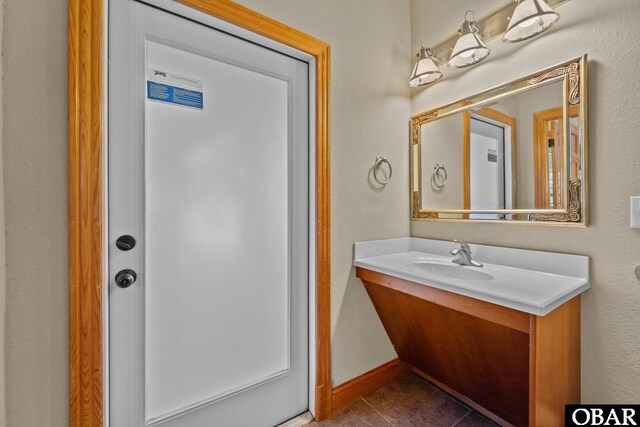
(515, 153)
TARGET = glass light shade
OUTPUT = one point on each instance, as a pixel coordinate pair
(530, 18)
(469, 48)
(426, 71)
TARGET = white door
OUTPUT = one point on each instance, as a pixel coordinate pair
(208, 173)
(486, 168)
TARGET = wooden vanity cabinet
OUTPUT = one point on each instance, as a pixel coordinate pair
(516, 368)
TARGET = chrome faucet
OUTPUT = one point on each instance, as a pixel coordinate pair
(464, 255)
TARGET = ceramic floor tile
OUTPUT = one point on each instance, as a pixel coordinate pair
(411, 401)
(474, 419)
(358, 414)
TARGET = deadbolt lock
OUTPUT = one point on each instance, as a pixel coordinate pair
(125, 242)
(126, 278)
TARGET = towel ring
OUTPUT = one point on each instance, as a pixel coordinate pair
(436, 174)
(379, 161)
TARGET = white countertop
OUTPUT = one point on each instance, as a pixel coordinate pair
(531, 281)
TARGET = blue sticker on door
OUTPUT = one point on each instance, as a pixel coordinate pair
(171, 88)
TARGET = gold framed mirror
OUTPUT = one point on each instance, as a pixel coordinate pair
(516, 153)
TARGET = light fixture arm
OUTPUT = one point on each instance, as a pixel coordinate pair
(469, 12)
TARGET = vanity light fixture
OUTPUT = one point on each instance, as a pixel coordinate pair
(530, 18)
(469, 48)
(426, 71)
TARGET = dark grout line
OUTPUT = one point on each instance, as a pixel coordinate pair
(376, 411)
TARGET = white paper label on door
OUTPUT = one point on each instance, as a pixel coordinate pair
(170, 88)
(492, 155)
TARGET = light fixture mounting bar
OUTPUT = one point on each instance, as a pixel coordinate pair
(488, 29)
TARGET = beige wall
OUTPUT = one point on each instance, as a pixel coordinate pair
(35, 178)
(443, 143)
(3, 265)
(370, 41)
(607, 31)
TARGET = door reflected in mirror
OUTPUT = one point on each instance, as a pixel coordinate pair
(490, 167)
(548, 137)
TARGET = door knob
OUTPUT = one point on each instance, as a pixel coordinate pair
(126, 278)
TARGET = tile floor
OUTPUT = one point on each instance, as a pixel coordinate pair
(408, 401)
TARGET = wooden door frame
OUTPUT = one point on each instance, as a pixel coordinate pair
(540, 151)
(87, 248)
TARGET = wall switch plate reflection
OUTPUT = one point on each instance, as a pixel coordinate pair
(635, 212)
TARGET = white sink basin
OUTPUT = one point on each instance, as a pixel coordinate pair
(453, 271)
(531, 281)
